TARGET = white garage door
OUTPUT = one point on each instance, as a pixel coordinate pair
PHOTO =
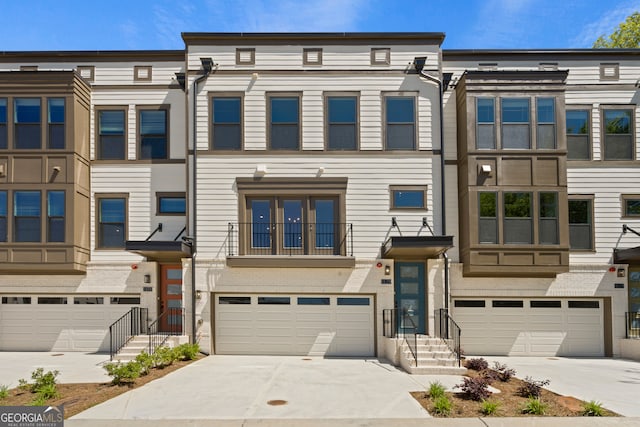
(60, 323)
(314, 325)
(531, 327)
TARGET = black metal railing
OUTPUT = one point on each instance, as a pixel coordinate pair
(390, 322)
(132, 323)
(291, 238)
(169, 323)
(449, 331)
(410, 333)
(633, 324)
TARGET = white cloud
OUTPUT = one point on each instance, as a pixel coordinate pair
(606, 24)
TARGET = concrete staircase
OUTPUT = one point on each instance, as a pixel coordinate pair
(134, 347)
(434, 358)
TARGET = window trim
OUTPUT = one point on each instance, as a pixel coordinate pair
(603, 134)
(531, 218)
(97, 142)
(616, 69)
(158, 107)
(15, 124)
(211, 97)
(40, 217)
(555, 218)
(90, 68)
(494, 123)
(623, 200)
(423, 188)
(386, 61)
(553, 124)
(49, 217)
(271, 95)
(589, 110)
(497, 218)
(240, 51)
(305, 55)
(325, 100)
(170, 194)
(529, 123)
(591, 199)
(136, 73)
(49, 123)
(416, 133)
(100, 196)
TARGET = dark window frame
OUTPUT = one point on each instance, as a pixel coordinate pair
(487, 124)
(270, 124)
(529, 218)
(577, 136)
(169, 195)
(604, 135)
(590, 223)
(18, 125)
(212, 124)
(99, 245)
(625, 211)
(99, 137)
(494, 218)
(504, 123)
(52, 219)
(554, 218)
(540, 124)
(4, 216)
(4, 124)
(167, 132)
(15, 227)
(52, 126)
(393, 189)
(327, 98)
(386, 124)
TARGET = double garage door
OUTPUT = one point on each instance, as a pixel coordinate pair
(531, 327)
(310, 325)
(60, 323)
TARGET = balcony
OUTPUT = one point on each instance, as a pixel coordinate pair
(291, 244)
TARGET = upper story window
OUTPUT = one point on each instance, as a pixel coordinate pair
(111, 134)
(486, 123)
(408, 197)
(26, 216)
(112, 221)
(171, 204)
(631, 205)
(518, 218)
(284, 122)
(617, 134)
(227, 123)
(153, 134)
(516, 132)
(3, 216)
(342, 122)
(27, 117)
(581, 223)
(546, 123)
(400, 122)
(488, 224)
(548, 218)
(55, 123)
(55, 216)
(578, 135)
(3, 123)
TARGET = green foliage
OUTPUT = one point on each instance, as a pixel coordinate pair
(48, 391)
(146, 362)
(4, 392)
(475, 388)
(532, 388)
(163, 357)
(488, 407)
(23, 385)
(442, 406)
(42, 380)
(436, 390)
(123, 372)
(626, 35)
(592, 409)
(517, 205)
(39, 400)
(187, 351)
(534, 406)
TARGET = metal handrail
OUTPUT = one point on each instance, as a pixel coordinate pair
(414, 334)
(632, 320)
(390, 322)
(158, 337)
(130, 324)
(449, 331)
(290, 238)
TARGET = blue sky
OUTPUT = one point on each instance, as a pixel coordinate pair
(142, 24)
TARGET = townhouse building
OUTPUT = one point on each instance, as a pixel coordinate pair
(321, 194)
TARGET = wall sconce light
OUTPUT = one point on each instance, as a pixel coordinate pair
(261, 170)
(54, 173)
(621, 272)
(147, 278)
(207, 64)
(255, 76)
(387, 270)
(419, 62)
(198, 295)
(486, 169)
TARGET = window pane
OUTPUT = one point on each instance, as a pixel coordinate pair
(400, 137)
(153, 122)
(261, 224)
(3, 123)
(284, 110)
(112, 225)
(342, 137)
(546, 137)
(408, 199)
(486, 137)
(284, 137)
(517, 218)
(487, 205)
(111, 122)
(27, 110)
(55, 203)
(546, 110)
(578, 147)
(112, 136)
(313, 301)
(26, 203)
(342, 109)
(26, 210)
(112, 210)
(325, 223)
(517, 205)
(153, 147)
(548, 231)
(227, 137)
(354, 301)
(292, 212)
(172, 205)
(227, 123)
(55, 214)
(515, 110)
(226, 110)
(112, 148)
(486, 110)
(488, 230)
(579, 211)
(111, 235)
(274, 300)
(618, 147)
(548, 205)
(577, 122)
(516, 137)
(56, 110)
(400, 109)
(3, 216)
(632, 207)
(617, 121)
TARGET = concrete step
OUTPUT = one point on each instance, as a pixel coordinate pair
(437, 370)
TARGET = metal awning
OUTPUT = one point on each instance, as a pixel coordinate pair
(160, 250)
(627, 256)
(416, 246)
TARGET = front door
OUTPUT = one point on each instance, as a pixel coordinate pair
(171, 298)
(410, 295)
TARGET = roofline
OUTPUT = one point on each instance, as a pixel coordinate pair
(314, 38)
(583, 53)
(93, 55)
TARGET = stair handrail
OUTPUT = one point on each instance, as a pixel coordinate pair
(130, 324)
(157, 338)
(413, 336)
(450, 332)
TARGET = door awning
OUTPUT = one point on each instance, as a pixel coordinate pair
(416, 246)
(627, 256)
(159, 250)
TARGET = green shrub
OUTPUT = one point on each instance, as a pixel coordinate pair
(187, 351)
(479, 364)
(123, 372)
(475, 388)
(24, 385)
(39, 400)
(534, 406)
(489, 408)
(442, 406)
(592, 409)
(146, 362)
(42, 379)
(163, 357)
(436, 390)
(4, 392)
(48, 391)
(532, 388)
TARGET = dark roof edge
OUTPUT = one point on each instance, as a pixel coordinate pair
(199, 38)
(93, 55)
(461, 54)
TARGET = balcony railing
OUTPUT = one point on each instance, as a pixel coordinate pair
(288, 239)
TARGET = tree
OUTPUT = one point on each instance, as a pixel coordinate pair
(627, 35)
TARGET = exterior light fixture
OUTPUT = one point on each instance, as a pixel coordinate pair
(207, 64)
(387, 270)
(147, 278)
(418, 63)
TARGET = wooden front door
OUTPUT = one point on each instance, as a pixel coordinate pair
(171, 298)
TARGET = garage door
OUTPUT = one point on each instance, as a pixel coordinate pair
(60, 323)
(531, 327)
(314, 325)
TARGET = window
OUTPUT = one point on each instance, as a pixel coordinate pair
(27, 123)
(55, 216)
(112, 214)
(274, 300)
(517, 218)
(52, 300)
(26, 216)
(354, 301)
(469, 303)
(3, 216)
(631, 205)
(545, 304)
(234, 300)
(227, 123)
(548, 218)
(507, 303)
(124, 300)
(342, 122)
(486, 129)
(515, 123)
(16, 300)
(580, 224)
(618, 134)
(153, 135)
(111, 135)
(55, 121)
(3, 123)
(546, 123)
(88, 300)
(578, 135)
(408, 197)
(584, 304)
(284, 122)
(171, 204)
(313, 301)
(400, 123)
(488, 224)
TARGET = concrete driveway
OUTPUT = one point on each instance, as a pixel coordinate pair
(613, 382)
(251, 387)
